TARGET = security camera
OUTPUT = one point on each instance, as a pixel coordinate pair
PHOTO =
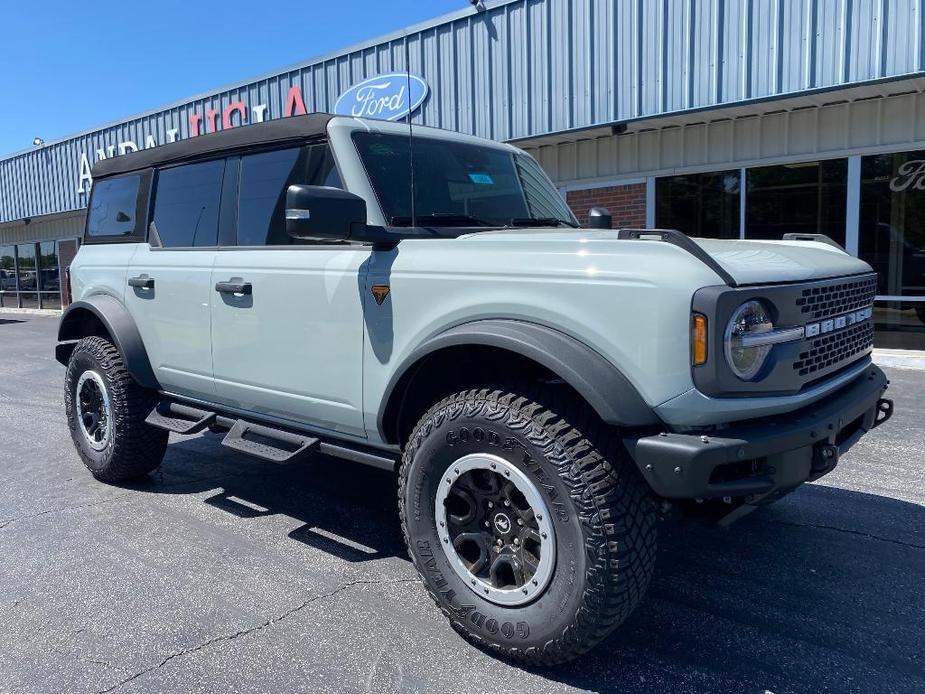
(478, 5)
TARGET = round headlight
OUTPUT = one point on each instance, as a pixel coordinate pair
(749, 321)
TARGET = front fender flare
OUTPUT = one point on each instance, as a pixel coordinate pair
(599, 382)
(120, 325)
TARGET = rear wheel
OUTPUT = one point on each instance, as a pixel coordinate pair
(528, 522)
(106, 411)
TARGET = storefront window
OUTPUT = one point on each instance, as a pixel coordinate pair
(700, 205)
(49, 279)
(28, 276)
(892, 239)
(8, 294)
(806, 197)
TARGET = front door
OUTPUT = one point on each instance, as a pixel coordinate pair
(287, 321)
(170, 293)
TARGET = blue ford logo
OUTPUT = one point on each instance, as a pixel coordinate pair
(387, 97)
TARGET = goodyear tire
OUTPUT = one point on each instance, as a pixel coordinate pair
(106, 412)
(528, 522)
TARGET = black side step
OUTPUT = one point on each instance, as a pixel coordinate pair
(180, 419)
(266, 443)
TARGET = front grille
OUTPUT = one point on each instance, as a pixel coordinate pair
(831, 350)
(838, 297)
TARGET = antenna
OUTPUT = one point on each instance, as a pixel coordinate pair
(410, 127)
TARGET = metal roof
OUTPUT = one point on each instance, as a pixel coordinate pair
(532, 68)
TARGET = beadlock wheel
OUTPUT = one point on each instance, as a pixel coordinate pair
(94, 411)
(495, 529)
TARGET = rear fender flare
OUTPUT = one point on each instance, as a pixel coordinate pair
(121, 327)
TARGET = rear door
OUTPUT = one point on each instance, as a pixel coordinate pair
(169, 291)
(290, 345)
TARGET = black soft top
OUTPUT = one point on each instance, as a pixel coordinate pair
(269, 132)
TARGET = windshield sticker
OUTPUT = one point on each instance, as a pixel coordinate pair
(481, 179)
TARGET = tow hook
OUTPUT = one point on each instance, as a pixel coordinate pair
(825, 458)
(884, 411)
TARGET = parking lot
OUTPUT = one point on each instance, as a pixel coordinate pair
(224, 574)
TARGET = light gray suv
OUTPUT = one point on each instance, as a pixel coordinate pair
(429, 305)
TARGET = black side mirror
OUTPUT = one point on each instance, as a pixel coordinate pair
(319, 212)
(600, 218)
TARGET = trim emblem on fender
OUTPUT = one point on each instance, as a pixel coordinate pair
(380, 291)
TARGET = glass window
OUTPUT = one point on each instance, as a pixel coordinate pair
(703, 205)
(456, 183)
(8, 293)
(807, 197)
(28, 276)
(265, 177)
(112, 207)
(49, 280)
(186, 204)
(892, 239)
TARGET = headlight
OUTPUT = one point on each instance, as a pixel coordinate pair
(746, 345)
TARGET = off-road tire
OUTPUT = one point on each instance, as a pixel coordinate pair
(605, 519)
(133, 449)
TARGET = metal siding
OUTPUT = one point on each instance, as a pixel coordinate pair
(884, 124)
(533, 67)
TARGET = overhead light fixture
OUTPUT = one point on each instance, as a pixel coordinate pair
(38, 142)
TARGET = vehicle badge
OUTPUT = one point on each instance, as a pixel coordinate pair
(380, 291)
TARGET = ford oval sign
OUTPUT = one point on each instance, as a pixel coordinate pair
(387, 97)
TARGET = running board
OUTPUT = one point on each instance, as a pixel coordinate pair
(269, 444)
(180, 419)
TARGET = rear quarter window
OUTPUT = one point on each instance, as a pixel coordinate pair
(116, 210)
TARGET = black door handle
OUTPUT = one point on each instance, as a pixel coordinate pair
(141, 282)
(234, 287)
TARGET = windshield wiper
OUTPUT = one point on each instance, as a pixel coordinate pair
(445, 219)
(540, 222)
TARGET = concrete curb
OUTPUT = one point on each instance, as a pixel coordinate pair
(31, 311)
(900, 358)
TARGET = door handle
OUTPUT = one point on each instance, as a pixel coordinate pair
(234, 287)
(141, 282)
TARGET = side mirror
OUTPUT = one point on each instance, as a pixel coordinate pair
(319, 212)
(600, 218)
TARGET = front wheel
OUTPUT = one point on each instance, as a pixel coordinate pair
(530, 525)
(106, 411)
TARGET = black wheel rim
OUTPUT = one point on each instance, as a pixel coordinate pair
(495, 529)
(94, 413)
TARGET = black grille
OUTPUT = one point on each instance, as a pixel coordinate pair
(832, 349)
(837, 298)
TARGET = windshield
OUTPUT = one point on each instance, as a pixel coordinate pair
(459, 184)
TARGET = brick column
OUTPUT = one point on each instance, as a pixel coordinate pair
(626, 203)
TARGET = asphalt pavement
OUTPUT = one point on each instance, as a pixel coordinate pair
(224, 574)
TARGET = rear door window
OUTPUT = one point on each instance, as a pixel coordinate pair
(114, 209)
(265, 177)
(187, 203)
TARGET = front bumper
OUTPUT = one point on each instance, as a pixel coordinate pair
(760, 459)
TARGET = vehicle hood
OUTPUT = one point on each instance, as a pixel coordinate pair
(757, 262)
(748, 262)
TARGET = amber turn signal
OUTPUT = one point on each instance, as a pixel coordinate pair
(698, 339)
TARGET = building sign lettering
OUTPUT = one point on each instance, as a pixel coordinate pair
(388, 97)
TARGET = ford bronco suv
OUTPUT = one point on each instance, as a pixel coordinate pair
(429, 305)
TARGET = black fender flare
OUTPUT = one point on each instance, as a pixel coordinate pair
(599, 382)
(120, 325)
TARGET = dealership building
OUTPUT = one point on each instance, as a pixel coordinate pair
(722, 118)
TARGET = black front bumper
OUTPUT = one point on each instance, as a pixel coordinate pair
(760, 459)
